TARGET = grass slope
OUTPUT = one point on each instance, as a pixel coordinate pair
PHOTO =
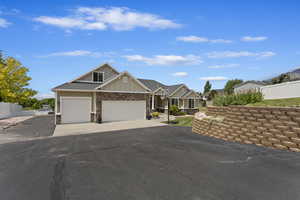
(182, 121)
(278, 102)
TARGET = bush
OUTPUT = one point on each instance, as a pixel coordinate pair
(238, 99)
(180, 113)
(174, 110)
(155, 114)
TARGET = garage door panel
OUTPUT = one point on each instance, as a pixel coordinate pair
(75, 109)
(123, 110)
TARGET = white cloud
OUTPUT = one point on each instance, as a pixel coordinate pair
(253, 39)
(196, 39)
(116, 18)
(214, 78)
(44, 95)
(180, 74)
(166, 59)
(236, 54)
(4, 23)
(223, 66)
(80, 53)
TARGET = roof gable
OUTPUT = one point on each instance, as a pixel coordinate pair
(178, 90)
(124, 82)
(191, 94)
(109, 72)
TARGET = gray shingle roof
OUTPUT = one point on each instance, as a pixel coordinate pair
(154, 85)
(171, 88)
(77, 86)
(255, 82)
(151, 84)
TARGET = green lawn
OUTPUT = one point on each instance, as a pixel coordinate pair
(278, 102)
(182, 121)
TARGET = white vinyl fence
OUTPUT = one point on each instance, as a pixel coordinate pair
(13, 110)
(282, 90)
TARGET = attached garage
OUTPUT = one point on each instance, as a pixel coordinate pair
(75, 109)
(123, 110)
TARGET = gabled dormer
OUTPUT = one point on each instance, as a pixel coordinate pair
(98, 75)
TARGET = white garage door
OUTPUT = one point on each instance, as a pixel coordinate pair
(75, 109)
(123, 110)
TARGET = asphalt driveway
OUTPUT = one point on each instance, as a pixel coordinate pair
(145, 164)
(38, 126)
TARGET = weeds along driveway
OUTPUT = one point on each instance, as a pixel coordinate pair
(164, 162)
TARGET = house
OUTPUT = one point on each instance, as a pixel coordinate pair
(104, 94)
(248, 86)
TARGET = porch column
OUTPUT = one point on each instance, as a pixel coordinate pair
(183, 103)
(152, 102)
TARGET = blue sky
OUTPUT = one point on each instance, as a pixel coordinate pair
(170, 41)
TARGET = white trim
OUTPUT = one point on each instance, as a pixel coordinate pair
(74, 90)
(121, 74)
(113, 91)
(55, 103)
(189, 94)
(77, 90)
(98, 81)
(83, 81)
(183, 85)
(94, 102)
(55, 108)
(193, 103)
(96, 68)
(152, 106)
(72, 97)
(160, 88)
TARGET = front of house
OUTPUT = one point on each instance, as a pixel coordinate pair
(104, 95)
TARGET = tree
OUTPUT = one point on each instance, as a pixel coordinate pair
(281, 78)
(229, 87)
(212, 94)
(207, 87)
(48, 101)
(13, 81)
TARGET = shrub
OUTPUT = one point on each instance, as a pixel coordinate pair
(174, 110)
(180, 113)
(155, 114)
(238, 99)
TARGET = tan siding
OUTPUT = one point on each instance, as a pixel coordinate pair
(180, 92)
(120, 85)
(160, 92)
(192, 95)
(108, 74)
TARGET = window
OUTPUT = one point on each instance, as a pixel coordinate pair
(191, 103)
(98, 76)
(174, 102)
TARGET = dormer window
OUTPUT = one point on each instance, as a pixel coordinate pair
(98, 77)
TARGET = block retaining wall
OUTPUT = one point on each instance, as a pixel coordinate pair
(264, 126)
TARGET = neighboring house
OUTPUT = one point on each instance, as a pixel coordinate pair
(294, 75)
(104, 94)
(248, 86)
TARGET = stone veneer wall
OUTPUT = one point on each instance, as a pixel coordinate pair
(264, 126)
(118, 97)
